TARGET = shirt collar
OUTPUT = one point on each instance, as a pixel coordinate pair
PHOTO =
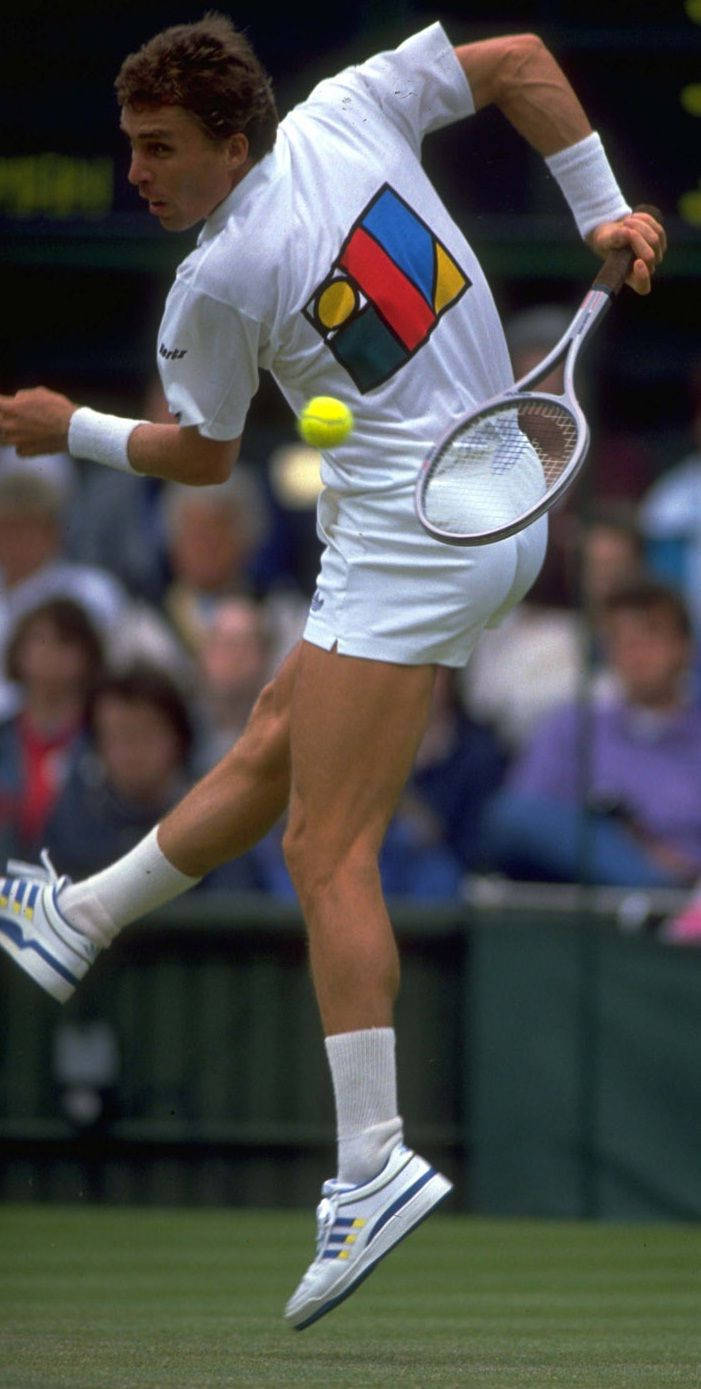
(262, 173)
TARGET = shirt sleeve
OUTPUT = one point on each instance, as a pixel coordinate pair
(208, 355)
(419, 86)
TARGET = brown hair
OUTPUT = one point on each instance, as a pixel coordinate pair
(647, 595)
(210, 69)
(142, 683)
(73, 626)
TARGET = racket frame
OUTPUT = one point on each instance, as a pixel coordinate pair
(590, 312)
(607, 284)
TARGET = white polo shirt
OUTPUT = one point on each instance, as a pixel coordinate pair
(335, 265)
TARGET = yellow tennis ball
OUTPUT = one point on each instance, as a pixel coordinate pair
(325, 422)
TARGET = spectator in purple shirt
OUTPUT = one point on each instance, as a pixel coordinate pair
(607, 791)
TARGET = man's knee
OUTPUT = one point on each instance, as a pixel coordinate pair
(317, 859)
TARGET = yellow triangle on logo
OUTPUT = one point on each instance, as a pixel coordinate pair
(449, 280)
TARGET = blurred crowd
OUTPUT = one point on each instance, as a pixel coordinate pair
(140, 620)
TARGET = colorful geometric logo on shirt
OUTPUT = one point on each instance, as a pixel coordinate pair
(386, 291)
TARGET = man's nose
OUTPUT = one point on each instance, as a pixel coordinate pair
(137, 171)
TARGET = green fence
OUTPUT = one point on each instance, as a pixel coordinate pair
(548, 1062)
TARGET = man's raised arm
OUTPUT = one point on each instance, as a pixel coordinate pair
(519, 75)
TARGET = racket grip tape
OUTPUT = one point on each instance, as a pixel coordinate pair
(616, 268)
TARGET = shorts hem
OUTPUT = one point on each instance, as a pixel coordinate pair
(373, 649)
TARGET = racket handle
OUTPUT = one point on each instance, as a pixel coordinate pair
(616, 268)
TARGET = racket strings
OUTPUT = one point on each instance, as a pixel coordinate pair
(500, 466)
(553, 433)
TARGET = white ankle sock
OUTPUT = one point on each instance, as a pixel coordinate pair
(364, 1079)
(136, 884)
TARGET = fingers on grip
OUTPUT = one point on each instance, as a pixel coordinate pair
(616, 268)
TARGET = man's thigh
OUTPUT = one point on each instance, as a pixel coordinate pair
(355, 728)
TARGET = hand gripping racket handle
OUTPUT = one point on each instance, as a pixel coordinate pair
(616, 268)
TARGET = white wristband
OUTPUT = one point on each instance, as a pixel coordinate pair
(103, 438)
(588, 183)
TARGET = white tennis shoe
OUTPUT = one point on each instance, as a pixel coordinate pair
(35, 934)
(358, 1225)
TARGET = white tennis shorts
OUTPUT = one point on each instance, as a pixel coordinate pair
(387, 591)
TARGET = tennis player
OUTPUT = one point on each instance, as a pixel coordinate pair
(325, 256)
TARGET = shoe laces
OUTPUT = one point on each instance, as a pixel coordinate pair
(325, 1217)
(44, 874)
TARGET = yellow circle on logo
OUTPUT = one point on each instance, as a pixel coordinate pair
(336, 303)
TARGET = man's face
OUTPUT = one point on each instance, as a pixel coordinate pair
(649, 654)
(181, 173)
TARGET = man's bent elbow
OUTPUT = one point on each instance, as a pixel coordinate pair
(521, 53)
(494, 67)
(210, 461)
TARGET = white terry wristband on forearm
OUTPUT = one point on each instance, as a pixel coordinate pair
(588, 183)
(103, 438)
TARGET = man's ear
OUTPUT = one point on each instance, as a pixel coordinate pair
(237, 147)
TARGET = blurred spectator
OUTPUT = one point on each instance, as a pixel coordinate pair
(608, 791)
(117, 522)
(53, 656)
(133, 769)
(670, 517)
(33, 567)
(212, 535)
(234, 662)
(59, 470)
(539, 656)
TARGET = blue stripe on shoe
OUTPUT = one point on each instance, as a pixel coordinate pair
(401, 1201)
(13, 930)
(351, 1286)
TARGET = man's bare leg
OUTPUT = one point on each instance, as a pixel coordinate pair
(355, 727)
(354, 731)
(352, 751)
(243, 796)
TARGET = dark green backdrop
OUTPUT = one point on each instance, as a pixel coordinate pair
(549, 1063)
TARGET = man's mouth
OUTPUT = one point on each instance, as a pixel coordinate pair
(155, 205)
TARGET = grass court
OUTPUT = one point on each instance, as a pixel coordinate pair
(129, 1298)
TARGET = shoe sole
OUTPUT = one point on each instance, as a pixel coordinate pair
(36, 961)
(395, 1229)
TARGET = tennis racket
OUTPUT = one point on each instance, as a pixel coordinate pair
(503, 465)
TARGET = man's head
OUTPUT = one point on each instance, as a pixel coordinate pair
(648, 638)
(54, 649)
(142, 731)
(235, 654)
(212, 532)
(30, 525)
(610, 553)
(198, 110)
